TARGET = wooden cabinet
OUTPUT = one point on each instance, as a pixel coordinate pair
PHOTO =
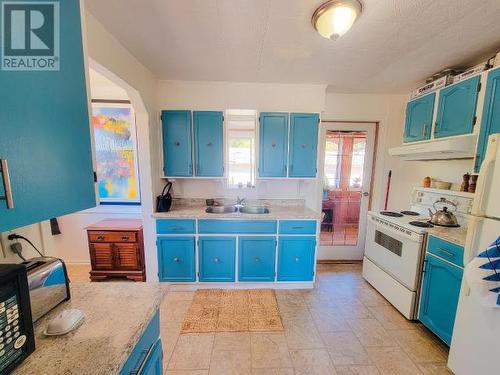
(490, 123)
(303, 144)
(209, 145)
(273, 144)
(457, 108)
(419, 113)
(45, 135)
(117, 250)
(177, 150)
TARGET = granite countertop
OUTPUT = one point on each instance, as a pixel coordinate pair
(454, 235)
(276, 212)
(116, 315)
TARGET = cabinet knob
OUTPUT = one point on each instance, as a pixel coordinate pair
(124, 238)
(273, 145)
(216, 260)
(257, 259)
(176, 260)
(209, 144)
(100, 238)
(177, 143)
(297, 259)
(303, 146)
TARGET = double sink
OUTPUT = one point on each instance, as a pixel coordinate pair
(235, 208)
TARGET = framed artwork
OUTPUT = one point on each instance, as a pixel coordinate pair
(116, 152)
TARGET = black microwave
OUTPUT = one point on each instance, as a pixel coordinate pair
(17, 339)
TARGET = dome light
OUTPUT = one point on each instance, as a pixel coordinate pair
(335, 17)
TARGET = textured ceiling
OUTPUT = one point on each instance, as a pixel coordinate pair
(394, 45)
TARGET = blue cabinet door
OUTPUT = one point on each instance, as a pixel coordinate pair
(45, 134)
(176, 258)
(419, 114)
(217, 258)
(303, 144)
(273, 144)
(296, 258)
(177, 157)
(209, 145)
(154, 362)
(257, 256)
(439, 300)
(490, 123)
(457, 108)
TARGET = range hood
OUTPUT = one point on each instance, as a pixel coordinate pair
(460, 147)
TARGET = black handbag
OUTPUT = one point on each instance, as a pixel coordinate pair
(164, 201)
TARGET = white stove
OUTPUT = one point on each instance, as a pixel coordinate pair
(395, 247)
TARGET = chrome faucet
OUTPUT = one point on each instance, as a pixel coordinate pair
(240, 201)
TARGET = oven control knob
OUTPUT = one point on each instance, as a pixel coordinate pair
(20, 341)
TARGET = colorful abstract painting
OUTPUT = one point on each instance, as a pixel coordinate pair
(116, 153)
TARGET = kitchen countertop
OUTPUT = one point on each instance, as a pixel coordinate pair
(116, 315)
(276, 212)
(454, 235)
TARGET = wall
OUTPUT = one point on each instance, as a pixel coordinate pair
(236, 95)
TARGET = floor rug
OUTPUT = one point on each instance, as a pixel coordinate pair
(229, 310)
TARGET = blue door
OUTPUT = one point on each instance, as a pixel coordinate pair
(296, 258)
(176, 258)
(439, 300)
(273, 145)
(217, 258)
(457, 108)
(303, 144)
(45, 134)
(419, 114)
(209, 145)
(154, 362)
(490, 123)
(177, 158)
(257, 256)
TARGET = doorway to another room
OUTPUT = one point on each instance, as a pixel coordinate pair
(347, 159)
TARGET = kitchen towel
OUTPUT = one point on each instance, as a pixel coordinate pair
(483, 275)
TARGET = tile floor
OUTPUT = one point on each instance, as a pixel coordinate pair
(342, 326)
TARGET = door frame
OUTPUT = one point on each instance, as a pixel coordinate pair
(337, 252)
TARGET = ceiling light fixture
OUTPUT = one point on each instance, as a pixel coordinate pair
(335, 17)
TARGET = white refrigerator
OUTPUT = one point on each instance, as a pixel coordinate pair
(475, 346)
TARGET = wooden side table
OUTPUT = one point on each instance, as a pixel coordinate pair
(117, 250)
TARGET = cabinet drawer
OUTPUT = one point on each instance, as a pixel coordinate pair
(296, 258)
(237, 226)
(257, 257)
(176, 258)
(298, 227)
(446, 250)
(217, 258)
(167, 226)
(102, 236)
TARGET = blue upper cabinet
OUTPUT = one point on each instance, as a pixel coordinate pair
(45, 134)
(209, 145)
(439, 300)
(273, 145)
(490, 123)
(419, 114)
(457, 108)
(303, 144)
(177, 151)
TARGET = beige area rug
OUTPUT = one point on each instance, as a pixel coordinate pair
(223, 310)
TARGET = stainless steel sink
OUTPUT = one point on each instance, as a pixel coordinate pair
(254, 210)
(221, 209)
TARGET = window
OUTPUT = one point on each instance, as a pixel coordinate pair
(116, 152)
(240, 130)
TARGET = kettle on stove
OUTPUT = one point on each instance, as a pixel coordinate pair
(443, 217)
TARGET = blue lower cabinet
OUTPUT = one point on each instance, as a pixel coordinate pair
(256, 258)
(296, 258)
(439, 299)
(217, 258)
(176, 258)
(147, 356)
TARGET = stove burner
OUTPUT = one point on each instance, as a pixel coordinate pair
(421, 224)
(410, 213)
(391, 214)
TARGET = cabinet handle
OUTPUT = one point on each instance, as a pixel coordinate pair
(424, 131)
(100, 238)
(303, 146)
(4, 170)
(216, 260)
(446, 252)
(296, 259)
(257, 259)
(177, 227)
(176, 260)
(273, 145)
(209, 144)
(190, 168)
(124, 238)
(297, 227)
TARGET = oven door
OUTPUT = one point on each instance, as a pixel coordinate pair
(398, 254)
